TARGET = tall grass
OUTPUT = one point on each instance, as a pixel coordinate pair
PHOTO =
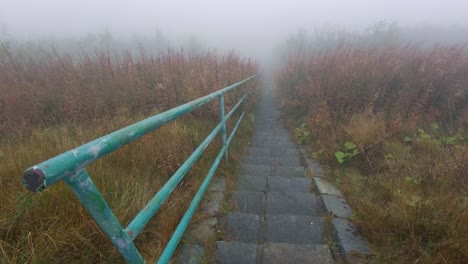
(406, 110)
(52, 105)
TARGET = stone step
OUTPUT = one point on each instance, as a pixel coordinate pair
(270, 138)
(293, 161)
(252, 183)
(291, 203)
(282, 253)
(282, 184)
(271, 133)
(257, 170)
(235, 253)
(273, 152)
(290, 171)
(272, 144)
(243, 227)
(276, 131)
(258, 160)
(269, 127)
(294, 229)
(271, 161)
(273, 253)
(249, 202)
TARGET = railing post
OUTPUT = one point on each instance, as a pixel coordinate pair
(91, 198)
(223, 129)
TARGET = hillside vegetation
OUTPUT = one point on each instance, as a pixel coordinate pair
(58, 102)
(390, 121)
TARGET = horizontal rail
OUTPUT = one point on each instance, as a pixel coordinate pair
(49, 172)
(139, 222)
(175, 239)
(70, 167)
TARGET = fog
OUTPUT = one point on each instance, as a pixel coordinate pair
(253, 28)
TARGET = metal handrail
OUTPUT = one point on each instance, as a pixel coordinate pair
(70, 167)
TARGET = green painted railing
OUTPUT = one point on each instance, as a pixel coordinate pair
(70, 167)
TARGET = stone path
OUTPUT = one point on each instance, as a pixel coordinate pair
(276, 216)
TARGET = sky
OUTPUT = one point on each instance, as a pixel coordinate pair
(236, 23)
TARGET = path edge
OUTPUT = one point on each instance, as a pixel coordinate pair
(352, 247)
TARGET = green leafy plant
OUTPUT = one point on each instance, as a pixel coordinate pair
(318, 154)
(251, 117)
(350, 150)
(408, 140)
(302, 134)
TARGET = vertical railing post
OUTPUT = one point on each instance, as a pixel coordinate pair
(92, 200)
(221, 114)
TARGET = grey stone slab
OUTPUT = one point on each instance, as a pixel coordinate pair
(281, 253)
(336, 205)
(259, 160)
(295, 203)
(273, 144)
(282, 184)
(285, 152)
(290, 171)
(235, 253)
(289, 161)
(202, 231)
(264, 134)
(252, 183)
(266, 138)
(243, 227)
(218, 184)
(325, 187)
(259, 152)
(212, 203)
(313, 166)
(257, 170)
(316, 170)
(348, 238)
(190, 254)
(248, 202)
(294, 229)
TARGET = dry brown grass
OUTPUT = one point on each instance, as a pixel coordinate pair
(405, 109)
(54, 105)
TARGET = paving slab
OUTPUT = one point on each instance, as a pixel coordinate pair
(294, 203)
(259, 160)
(281, 253)
(285, 152)
(212, 203)
(325, 187)
(290, 171)
(317, 171)
(252, 183)
(294, 229)
(243, 227)
(218, 183)
(337, 206)
(273, 144)
(270, 138)
(190, 254)
(259, 152)
(289, 161)
(202, 232)
(248, 202)
(282, 184)
(236, 253)
(348, 238)
(258, 170)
